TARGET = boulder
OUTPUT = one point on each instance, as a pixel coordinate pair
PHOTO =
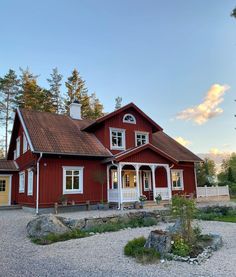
(217, 242)
(160, 241)
(43, 225)
(177, 228)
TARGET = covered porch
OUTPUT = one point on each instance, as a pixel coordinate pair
(126, 181)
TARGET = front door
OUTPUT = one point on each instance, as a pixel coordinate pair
(4, 190)
(147, 184)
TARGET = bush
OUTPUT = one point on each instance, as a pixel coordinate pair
(180, 247)
(135, 248)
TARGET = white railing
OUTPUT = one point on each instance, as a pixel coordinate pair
(129, 195)
(113, 195)
(212, 191)
(164, 192)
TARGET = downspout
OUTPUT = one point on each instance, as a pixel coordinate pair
(37, 184)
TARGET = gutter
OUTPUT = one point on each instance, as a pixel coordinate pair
(37, 184)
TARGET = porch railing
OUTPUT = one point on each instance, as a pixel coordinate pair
(164, 192)
(129, 195)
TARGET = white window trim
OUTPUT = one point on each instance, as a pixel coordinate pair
(14, 154)
(25, 143)
(18, 147)
(81, 179)
(125, 121)
(30, 192)
(123, 147)
(141, 133)
(149, 180)
(181, 179)
(112, 178)
(21, 189)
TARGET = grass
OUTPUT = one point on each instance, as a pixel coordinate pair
(223, 214)
(100, 228)
(135, 248)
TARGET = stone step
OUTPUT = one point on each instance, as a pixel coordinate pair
(12, 207)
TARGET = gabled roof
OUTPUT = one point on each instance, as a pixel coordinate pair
(130, 152)
(6, 165)
(60, 134)
(172, 148)
(155, 126)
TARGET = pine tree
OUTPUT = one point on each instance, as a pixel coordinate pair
(8, 91)
(96, 107)
(76, 89)
(118, 102)
(55, 86)
(31, 96)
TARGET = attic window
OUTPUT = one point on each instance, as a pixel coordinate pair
(129, 118)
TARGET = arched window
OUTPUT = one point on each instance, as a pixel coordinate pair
(129, 118)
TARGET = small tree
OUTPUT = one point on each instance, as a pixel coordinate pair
(100, 177)
(184, 209)
(118, 104)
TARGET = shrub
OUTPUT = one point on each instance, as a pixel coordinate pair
(180, 247)
(135, 248)
(184, 209)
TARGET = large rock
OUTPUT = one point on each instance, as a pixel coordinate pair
(217, 242)
(160, 241)
(44, 225)
(177, 228)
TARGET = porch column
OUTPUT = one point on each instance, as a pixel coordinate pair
(108, 182)
(119, 169)
(153, 167)
(169, 181)
(137, 180)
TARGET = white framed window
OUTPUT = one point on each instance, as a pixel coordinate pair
(114, 179)
(117, 139)
(30, 182)
(18, 147)
(147, 180)
(25, 143)
(129, 118)
(22, 182)
(72, 180)
(177, 179)
(141, 138)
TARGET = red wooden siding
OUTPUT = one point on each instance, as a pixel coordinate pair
(51, 180)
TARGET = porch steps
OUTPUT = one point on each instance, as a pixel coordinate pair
(12, 207)
(153, 204)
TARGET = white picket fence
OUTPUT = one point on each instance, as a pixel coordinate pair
(212, 191)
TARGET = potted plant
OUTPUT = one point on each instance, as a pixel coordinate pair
(63, 200)
(158, 198)
(142, 199)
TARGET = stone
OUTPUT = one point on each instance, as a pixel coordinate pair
(44, 225)
(217, 242)
(72, 223)
(160, 241)
(176, 228)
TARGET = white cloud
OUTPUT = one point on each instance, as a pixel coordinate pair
(183, 141)
(208, 109)
(216, 151)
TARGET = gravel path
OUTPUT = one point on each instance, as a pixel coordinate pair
(101, 255)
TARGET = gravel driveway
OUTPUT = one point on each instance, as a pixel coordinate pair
(100, 255)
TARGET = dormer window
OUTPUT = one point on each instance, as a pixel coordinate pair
(117, 139)
(141, 138)
(129, 118)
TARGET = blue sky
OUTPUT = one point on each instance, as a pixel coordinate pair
(163, 55)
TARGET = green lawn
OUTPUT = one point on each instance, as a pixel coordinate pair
(226, 218)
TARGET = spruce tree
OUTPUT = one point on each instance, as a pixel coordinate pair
(8, 91)
(118, 101)
(55, 86)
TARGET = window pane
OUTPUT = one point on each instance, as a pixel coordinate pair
(76, 172)
(76, 182)
(119, 143)
(2, 185)
(114, 141)
(69, 172)
(68, 182)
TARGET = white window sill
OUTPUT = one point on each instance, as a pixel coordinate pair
(177, 188)
(117, 148)
(72, 192)
(22, 191)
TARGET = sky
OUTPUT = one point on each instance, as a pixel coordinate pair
(175, 59)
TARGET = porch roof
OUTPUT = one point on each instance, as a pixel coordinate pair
(129, 152)
(7, 165)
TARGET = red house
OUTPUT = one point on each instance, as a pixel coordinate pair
(52, 155)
